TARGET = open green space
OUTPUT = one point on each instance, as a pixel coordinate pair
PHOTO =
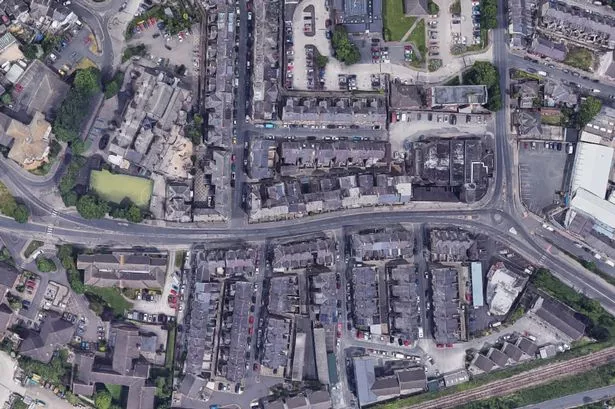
(115, 188)
(417, 37)
(579, 57)
(170, 352)
(396, 23)
(107, 297)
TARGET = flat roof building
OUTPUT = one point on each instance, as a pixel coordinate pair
(559, 316)
(452, 95)
(586, 204)
(477, 284)
(592, 165)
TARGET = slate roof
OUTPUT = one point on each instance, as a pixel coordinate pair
(560, 316)
(412, 380)
(123, 270)
(54, 333)
(512, 351)
(527, 346)
(415, 7)
(8, 275)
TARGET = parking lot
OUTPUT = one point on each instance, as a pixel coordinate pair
(77, 44)
(182, 49)
(541, 174)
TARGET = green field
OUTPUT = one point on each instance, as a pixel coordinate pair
(395, 22)
(115, 188)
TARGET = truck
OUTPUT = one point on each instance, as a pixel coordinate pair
(542, 73)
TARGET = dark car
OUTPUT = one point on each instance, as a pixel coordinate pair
(559, 146)
(25, 304)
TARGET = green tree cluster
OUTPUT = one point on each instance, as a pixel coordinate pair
(53, 372)
(91, 206)
(194, 130)
(69, 181)
(30, 51)
(345, 50)
(11, 208)
(113, 87)
(45, 265)
(488, 14)
(130, 212)
(138, 50)
(588, 110)
(433, 8)
(102, 400)
(50, 42)
(485, 73)
(76, 106)
(66, 254)
(322, 61)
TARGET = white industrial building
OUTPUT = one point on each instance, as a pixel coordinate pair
(588, 207)
(503, 287)
(591, 169)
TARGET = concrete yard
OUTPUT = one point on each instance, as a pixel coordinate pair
(541, 174)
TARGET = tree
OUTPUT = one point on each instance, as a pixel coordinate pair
(77, 147)
(91, 206)
(134, 214)
(485, 73)
(345, 50)
(588, 110)
(30, 51)
(488, 14)
(45, 265)
(322, 61)
(102, 400)
(433, 8)
(113, 87)
(87, 80)
(21, 213)
(6, 99)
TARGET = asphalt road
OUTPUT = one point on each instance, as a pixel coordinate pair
(577, 399)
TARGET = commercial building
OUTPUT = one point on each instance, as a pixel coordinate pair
(299, 197)
(451, 245)
(220, 263)
(457, 95)
(503, 288)
(363, 16)
(383, 245)
(28, 143)
(375, 383)
(127, 368)
(53, 334)
(592, 165)
(559, 316)
(478, 299)
(123, 270)
(303, 254)
(457, 169)
(38, 89)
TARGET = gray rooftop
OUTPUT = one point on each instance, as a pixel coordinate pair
(458, 95)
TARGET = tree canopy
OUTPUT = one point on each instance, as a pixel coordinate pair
(102, 400)
(485, 73)
(488, 14)
(345, 50)
(588, 110)
(45, 265)
(91, 206)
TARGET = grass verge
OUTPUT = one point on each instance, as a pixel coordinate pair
(110, 297)
(579, 57)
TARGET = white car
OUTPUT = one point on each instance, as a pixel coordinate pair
(66, 3)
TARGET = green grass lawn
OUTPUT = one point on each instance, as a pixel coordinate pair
(115, 188)
(115, 391)
(395, 22)
(417, 37)
(111, 297)
(170, 352)
(579, 57)
(555, 120)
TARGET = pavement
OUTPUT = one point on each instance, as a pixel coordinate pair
(577, 399)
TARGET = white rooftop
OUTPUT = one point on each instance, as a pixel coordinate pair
(592, 166)
(592, 205)
(502, 290)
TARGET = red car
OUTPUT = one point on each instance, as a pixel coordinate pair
(449, 345)
(173, 292)
(439, 345)
(251, 319)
